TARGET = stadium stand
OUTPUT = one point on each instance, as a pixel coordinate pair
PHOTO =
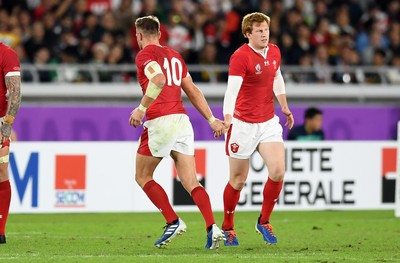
(323, 43)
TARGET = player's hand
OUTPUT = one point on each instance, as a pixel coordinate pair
(289, 118)
(227, 122)
(5, 134)
(136, 118)
(218, 127)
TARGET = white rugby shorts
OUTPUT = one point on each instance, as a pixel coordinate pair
(243, 138)
(165, 134)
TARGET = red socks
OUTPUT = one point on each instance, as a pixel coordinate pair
(159, 198)
(271, 193)
(5, 199)
(231, 198)
(202, 200)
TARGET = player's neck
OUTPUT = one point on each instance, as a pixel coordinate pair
(262, 51)
(151, 42)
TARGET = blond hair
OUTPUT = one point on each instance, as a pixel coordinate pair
(149, 25)
(250, 19)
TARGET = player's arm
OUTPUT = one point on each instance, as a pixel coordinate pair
(156, 83)
(196, 97)
(13, 85)
(231, 93)
(280, 93)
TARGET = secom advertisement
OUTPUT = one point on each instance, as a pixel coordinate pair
(52, 177)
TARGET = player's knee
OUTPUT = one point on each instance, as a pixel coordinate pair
(3, 177)
(189, 183)
(140, 180)
(277, 174)
(237, 183)
(143, 178)
(239, 186)
(3, 173)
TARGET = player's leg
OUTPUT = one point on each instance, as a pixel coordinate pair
(186, 170)
(238, 172)
(145, 166)
(152, 148)
(5, 192)
(240, 142)
(156, 142)
(273, 154)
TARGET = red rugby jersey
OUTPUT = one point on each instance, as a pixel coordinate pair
(255, 101)
(9, 64)
(174, 68)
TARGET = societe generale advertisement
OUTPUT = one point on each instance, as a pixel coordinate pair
(57, 177)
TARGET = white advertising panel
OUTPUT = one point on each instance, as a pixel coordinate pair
(99, 177)
(397, 188)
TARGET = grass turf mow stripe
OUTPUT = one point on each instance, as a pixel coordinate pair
(303, 236)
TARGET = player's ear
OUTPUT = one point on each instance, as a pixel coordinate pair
(159, 34)
(247, 34)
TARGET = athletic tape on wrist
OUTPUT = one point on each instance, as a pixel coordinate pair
(142, 108)
(211, 119)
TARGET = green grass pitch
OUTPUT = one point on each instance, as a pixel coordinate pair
(325, 236)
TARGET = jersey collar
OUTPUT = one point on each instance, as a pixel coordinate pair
(263, 53)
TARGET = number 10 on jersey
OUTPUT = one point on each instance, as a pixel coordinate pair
(173, 69)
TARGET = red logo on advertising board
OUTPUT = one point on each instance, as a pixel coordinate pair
(389, 163)
(200, 161)
(234, 147)
(389, 158)
(180, 195)
(70, 183)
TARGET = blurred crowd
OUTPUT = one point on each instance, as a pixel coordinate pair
(310, 33)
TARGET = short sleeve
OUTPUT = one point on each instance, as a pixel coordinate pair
(143, 58)
(277, 51)
(238, 65)
(10, 63)
(185, 71)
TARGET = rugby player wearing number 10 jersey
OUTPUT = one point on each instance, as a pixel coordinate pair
(254, 78)
(162, 74)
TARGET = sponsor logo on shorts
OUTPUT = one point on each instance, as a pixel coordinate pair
(234, 147)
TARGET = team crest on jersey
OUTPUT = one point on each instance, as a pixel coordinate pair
(234, 147)
(258, 69)
(274, 63)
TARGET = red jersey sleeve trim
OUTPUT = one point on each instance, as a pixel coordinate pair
(13, 73)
